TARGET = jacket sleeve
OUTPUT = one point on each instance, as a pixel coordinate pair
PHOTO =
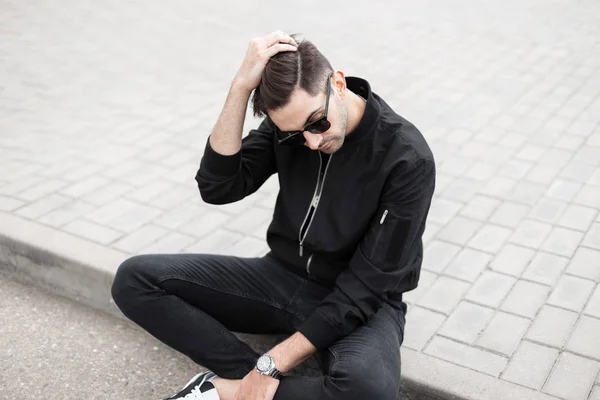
(225, 179)
(384, 259)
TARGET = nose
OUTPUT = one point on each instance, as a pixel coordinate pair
(313, 140)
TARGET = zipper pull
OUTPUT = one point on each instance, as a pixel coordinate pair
(383, 217)
(301, 250)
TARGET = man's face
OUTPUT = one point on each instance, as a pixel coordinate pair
(304, 109)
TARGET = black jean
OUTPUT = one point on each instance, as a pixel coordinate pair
(193, 303)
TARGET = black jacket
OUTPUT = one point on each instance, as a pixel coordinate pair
(364, 238)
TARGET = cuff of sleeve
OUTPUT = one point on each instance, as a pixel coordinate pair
(318, 331)
(219, 164)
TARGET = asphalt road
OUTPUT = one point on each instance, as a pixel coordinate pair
(54, 348)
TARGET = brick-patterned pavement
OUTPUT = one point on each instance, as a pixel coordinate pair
(105, 108)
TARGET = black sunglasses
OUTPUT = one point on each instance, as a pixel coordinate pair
(296, 138)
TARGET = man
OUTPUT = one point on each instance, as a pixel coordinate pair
(356, 182)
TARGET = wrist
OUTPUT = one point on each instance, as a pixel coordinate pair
(239, 86)
(266, 365)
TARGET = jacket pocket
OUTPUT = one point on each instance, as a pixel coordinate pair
(379, 245)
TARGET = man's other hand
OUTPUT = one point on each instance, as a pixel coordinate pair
(259, 52)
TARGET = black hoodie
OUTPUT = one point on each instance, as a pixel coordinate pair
(363, 210)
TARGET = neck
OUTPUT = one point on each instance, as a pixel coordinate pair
(356, 108)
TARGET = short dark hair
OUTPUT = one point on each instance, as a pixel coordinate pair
(306, 68)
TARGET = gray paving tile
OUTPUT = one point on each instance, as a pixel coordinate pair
(548, 210)
(499, 186)
(562, 241)
(593, 307)
(543, 174)
(545, 268)
(9, 204)
(107, 193)
(480, 207)
(66, 213)
(438, 255)
(466, 322)
(466, 356)
(421, 325)
(512, 259)
(592, 238)
(92, 231)
(527, 192)
(585, 263)
(173, 242)
(578, 217)
(43, 189)
(218, 242)
(42, 206)
(562, 189)
(176, 197)
(442, 210)
(444, 294)
(588, 196)
(468, 264)
(461, 189)
(552, 326)
(530, 365)
(504, 333)
(180, 215)
(516, 169)
(577, 171)
(585, 339)
(140, 238)
(595, 395)
(556, 157)
(525, 298)
(531, 234)
(571, 293)
(530, 152)
(205, 224)
(490, 289)
(81, 188)
(510, 214)
(146, 193)
(426, 279)
(572, 378)
(490, 238)
(459, 230)
(85, 170)
(594, 178)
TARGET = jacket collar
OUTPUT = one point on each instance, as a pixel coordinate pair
(372, 109)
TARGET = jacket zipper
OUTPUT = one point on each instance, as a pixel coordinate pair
(313, 203)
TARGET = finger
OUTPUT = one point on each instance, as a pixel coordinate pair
(276, 48)
(279, 37)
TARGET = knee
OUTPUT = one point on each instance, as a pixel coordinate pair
(368, 380)
(127, 279)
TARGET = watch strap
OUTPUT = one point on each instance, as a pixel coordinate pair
(276, 373)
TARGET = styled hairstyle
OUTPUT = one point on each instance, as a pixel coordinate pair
(306, 68)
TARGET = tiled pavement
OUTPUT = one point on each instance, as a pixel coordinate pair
(105, 109)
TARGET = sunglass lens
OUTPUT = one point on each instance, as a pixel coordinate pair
(319, 126)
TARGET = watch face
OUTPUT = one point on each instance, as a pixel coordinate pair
(264, 363)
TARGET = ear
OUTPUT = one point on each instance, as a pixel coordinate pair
(338, 83)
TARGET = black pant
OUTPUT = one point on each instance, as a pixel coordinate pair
(192, 303)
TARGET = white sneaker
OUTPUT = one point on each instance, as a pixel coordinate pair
(199, 387)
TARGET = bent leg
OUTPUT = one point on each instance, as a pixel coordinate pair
(363, 365)
(193, 302)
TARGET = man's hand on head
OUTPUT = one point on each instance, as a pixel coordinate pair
(260, 50)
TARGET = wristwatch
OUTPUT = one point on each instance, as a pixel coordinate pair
(266, 366)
